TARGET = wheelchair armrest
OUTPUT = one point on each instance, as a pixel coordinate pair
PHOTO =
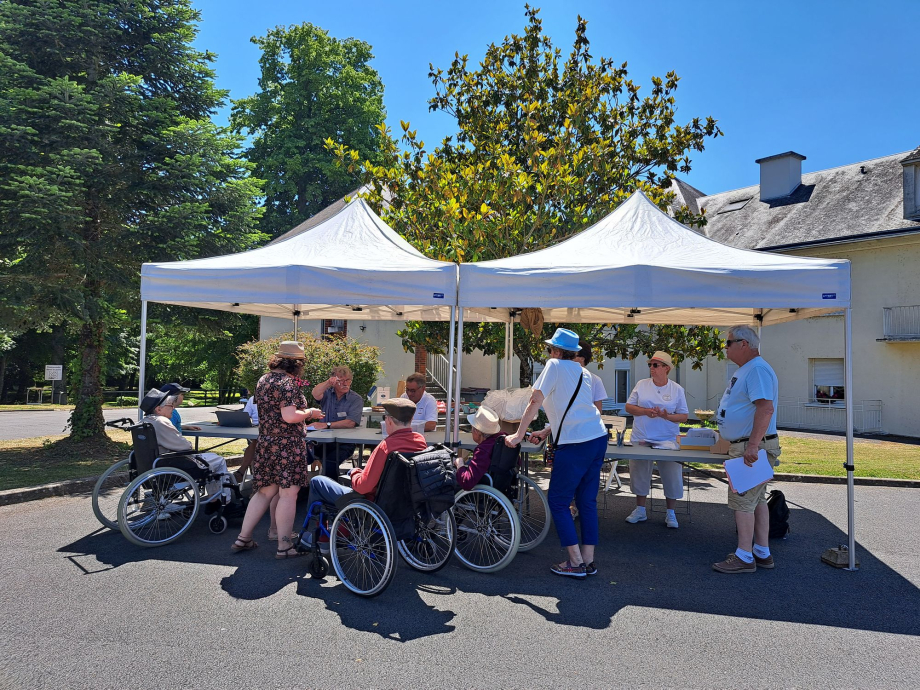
(346, 500)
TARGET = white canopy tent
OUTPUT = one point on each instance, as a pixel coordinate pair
(638, 265)
(350, 263)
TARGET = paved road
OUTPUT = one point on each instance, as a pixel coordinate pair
(32, 424)
(84, 608)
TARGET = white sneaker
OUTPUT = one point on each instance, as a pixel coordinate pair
(638, 515)
(671, 520)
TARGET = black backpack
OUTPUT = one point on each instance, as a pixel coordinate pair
(779, 515)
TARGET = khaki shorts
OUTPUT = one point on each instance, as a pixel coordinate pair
(749, 500)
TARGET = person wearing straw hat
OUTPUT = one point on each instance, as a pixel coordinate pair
(280, 466)
(564, 391)
(486, 433)
(657, 405)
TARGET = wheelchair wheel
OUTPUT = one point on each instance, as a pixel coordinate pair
(362, 548)
(158, 507)
(217, 524)
(105, 498)
(488, 530)
(318, 567)
(533, 512)
(433, 543)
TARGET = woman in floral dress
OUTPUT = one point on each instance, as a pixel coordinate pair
(280, 467)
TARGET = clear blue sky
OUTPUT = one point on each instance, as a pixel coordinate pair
(835, 81)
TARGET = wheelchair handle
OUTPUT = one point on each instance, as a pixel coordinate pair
(122, 423)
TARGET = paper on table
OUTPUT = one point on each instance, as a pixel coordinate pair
(666, 445)
(741, 477)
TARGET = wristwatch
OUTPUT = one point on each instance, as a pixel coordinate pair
(328, 425)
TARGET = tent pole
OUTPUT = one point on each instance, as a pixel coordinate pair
(459, 372)
(450, 374)
(143, 361)
(848, 393)
(296, 314)
(506, 374)
(510, 353)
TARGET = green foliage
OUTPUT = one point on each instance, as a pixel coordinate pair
(186, 345)
(321, 356)
(109, 160)
(544, 147)
(313, 87)
(126, 401)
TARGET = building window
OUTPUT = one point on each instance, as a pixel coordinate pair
(827, 377)
(621, 386)
(335, 328)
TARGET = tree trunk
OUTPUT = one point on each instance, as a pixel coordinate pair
(525, 373)
(87, 420)
(2, 377)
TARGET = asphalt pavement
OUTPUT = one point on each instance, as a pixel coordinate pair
(83, 608)
(35, 423)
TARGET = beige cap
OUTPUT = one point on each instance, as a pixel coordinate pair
(400, 409)
(485, 420)
(290, 349)
(662, 357)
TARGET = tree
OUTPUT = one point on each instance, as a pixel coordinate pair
(312, 87)
(543, 148)
(110, 159)
(186, 346)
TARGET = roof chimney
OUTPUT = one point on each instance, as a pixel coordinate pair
(780, 175)
(911, 179)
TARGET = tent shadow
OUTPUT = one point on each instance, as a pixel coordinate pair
(400, 613)
(649, 565)
(642, 565)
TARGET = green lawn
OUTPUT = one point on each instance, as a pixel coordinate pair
(34, 461)
(871, 458)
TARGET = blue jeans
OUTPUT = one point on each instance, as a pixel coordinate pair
(326, 490)
(576, 473)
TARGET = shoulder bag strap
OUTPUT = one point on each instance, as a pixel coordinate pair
(574, 395)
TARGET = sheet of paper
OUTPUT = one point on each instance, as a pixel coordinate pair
(666, 445)
(383, 393)
(741, 477)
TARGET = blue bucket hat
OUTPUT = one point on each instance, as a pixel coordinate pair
(564, 339)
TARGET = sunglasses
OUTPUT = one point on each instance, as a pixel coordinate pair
(728, 343)
(655, 365)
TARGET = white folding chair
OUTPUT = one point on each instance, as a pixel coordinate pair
(615, 425)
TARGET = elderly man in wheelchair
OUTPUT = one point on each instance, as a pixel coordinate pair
(400, 501)
(162, 501)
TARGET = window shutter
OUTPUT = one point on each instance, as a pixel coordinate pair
(828, 372)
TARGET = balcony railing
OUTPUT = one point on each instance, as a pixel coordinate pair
(805, 414)
(901, 323)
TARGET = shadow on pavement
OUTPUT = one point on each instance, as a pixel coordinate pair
(644, 565)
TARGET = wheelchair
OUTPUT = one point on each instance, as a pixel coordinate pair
(164, 491)
(505, 513)
(365, 536)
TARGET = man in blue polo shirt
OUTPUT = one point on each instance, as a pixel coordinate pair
(342, 409)
(747, 418)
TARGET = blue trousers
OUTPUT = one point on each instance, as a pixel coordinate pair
(326, 490)
(576, 474)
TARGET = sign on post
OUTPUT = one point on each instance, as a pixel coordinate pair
(54, 372)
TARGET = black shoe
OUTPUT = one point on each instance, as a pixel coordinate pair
(590, 568)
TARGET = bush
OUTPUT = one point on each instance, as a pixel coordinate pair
(126, 401)
(321, 356)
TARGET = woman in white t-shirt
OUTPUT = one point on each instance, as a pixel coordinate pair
(657, 405)
(581, 443)
(598, 392)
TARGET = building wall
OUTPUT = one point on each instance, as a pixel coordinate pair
(884, 274)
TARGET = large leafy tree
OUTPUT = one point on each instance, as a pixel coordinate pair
(544, 147)
(110, 159)
(312, 87)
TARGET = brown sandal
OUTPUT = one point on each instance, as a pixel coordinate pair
(243, 544)
(282, 554)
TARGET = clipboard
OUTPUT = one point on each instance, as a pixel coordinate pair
(742, 478)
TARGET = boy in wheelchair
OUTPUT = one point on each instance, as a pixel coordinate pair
(159, 408)
(400, 437)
